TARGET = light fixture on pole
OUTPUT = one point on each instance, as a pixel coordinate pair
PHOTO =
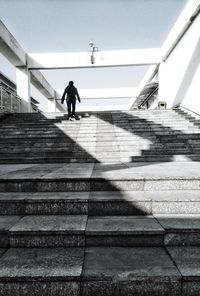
(93, 49)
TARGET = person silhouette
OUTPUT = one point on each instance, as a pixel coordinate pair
(72, 94)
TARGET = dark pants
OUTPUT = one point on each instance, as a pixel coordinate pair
(71, 107)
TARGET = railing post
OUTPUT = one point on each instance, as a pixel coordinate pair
(19, 104)
(11, 102)
(12, 99)
(1, 98)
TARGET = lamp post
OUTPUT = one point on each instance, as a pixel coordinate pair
(93, 49)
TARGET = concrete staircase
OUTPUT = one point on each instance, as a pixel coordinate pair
(105, 205)
(138, 136)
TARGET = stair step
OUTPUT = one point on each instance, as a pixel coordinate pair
(117, 225)
(113, 125)
(112, 160)
(59, 147)
(6, 222)
(61, 133)
(126, 183)
(49, 231)
(180, 230)
(79, 152)
(95, 271)
(125, 138)
(44, 203)
(128, 143)
(162, 158)
(81, 230)
(41, 271)
(123, 231)
(100, 203)
(48, 160)
(71, 231)
(144, 202)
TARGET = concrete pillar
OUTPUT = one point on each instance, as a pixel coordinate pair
(23, 87)
(52, 105)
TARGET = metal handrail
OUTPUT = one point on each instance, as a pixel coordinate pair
(148, 97)
(9, 101)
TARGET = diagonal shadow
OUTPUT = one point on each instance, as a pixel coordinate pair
(124, 202)
(36, 139)
(104, 136)
(164, 143)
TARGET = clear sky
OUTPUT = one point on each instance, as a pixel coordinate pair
(69, 25)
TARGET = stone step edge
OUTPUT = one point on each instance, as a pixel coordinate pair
(87, 237)
(171, 281)
(87, 203)
(99, 184)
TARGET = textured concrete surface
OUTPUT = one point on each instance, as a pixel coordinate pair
(176, 202)
(44, 203)
(121, 264)
(36, 263)
(119, 203)
(102, 177)
(72, 171)
(187, 259)
(123, 225)
(112, 271)
(97, 202)
(118, 180)
(138, 171)
(45, 272)
(181, 229)
(129, 271)
(181, 222)
(51, 223)
(6, 169)
(49, 231)
(40, 288)
(123, 231)
(6, 222)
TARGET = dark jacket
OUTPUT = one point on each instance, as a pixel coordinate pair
(72, 93)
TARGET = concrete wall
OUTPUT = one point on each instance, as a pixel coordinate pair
(179, 75)
(24, 106)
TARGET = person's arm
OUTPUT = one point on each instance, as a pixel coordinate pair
(79, 99)
(63, 96)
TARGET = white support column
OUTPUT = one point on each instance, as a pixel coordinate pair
(52, 105)
(23, 87)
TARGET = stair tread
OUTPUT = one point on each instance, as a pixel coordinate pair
(50, 224)
(41, 263)
(110, 225)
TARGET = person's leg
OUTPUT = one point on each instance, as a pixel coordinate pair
(74, 108)
(69, 108)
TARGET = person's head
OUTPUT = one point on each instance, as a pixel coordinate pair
(71, 83)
